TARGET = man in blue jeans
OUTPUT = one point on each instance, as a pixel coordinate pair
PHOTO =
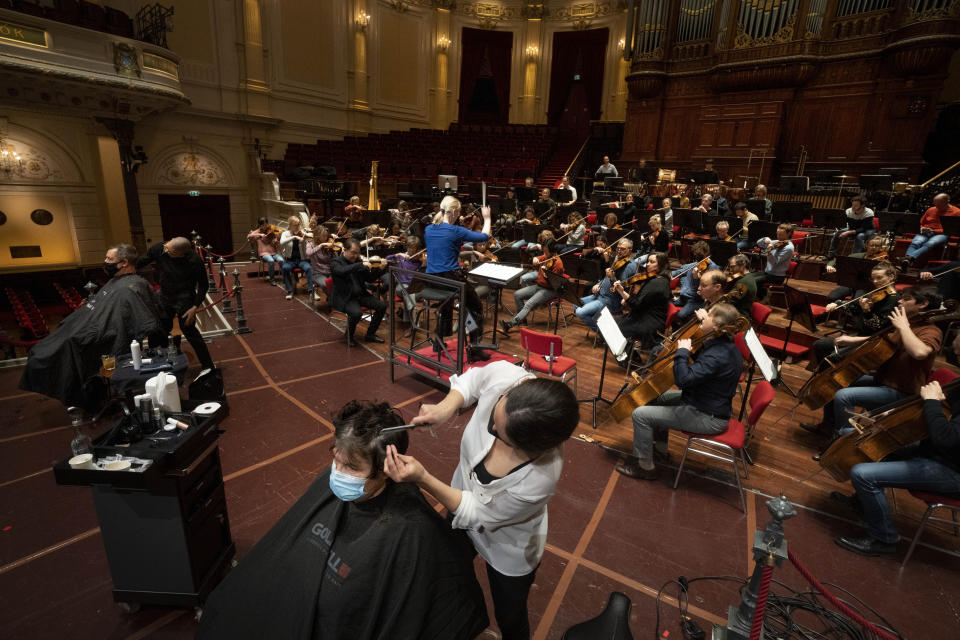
(602, 294)
(932, 465)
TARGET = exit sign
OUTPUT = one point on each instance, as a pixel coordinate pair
(193, 193)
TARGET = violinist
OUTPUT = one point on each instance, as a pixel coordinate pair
(689, 300)
(874, 251)
(320, 251)
(509, 208)
(933, 464)
(540, 292)
(706, 205)
(628, 212)
(350, 291)
(545, 207)
(723, 232)
(621, 267)
(741, 291)
(479, 254)
(529, 217)
(747, 218)
(411, 259)
(703, 402)
(656, 241)
(610, 221)
(918, 342)
(646, 296)
(779, 253)
(268, 246)
(401, 216)
(859, 224)
(354, 213)
(575, 228)
(948, 282)
(293, 245)
(760, 193)
(872, 312)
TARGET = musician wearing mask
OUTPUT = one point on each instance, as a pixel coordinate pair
(932, 464)
(779, 253)
(859, 224)
(918, 342)
(741, 291)
(689, 300)
(350, 291)
(747, 218)
(293, 245)
(540, 292)
(620, 268)
(702, 402)
(874, 251)
(183, 288)
(268, 246)
(931, 230)
(646, 302)
(872, 311)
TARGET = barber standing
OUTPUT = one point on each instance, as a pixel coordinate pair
(511, 457)
(183, 287)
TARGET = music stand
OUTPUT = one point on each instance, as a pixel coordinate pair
(721, 251)
(951, 225)
(761, 229)
(761, 359)
(798, 308)
(854, 273)
(789, 211)
(829, 218)
(531, 232)
(613, 236)
(900, 223)
(757, 208)
(561, 285)
(497, 275)
(526, 194)
(615, 343)
(561, 195)
(609, 182)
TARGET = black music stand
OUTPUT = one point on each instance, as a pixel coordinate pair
(561, 195)
(900, 223)
(829, 218)
(531, 232)
(526, 194)
(789, 211)
(581, 269)
(798, 308)
(562, 285)
(854, 273)
(721, 251)
(761, 229)
(951, 225)
(758, 208)
(613, 339)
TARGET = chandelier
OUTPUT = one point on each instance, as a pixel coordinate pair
(10, 160)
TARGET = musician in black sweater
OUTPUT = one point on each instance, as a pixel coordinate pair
(931, 465)
(647, 305)
(351, 278)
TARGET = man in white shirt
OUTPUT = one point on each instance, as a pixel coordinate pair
(606, 170)
(565, 184)
(511, 457)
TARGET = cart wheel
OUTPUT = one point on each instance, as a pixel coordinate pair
(197, 613)
(130, 607)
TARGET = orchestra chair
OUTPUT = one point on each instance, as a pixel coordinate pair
(778, 289)
(672, 311)
(943, 376)
(759, 314)
(613, 623)
(545, 355)
(934, 501)
(729, 446)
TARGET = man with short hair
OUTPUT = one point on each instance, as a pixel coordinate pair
(747, 217)
(602, 294)
(689, 300)
(606, 170)
(64, 365)
(349, 293)
(859, 224)
(183, 288)
(742, 291)
(565, 184)
(545, 207)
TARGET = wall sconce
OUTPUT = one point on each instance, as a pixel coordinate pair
(621, 44)
(363, 19)
(10, 160)
(532, 51)
(443, 43)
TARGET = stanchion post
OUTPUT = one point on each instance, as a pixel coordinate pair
(237, 289)
(211, 281)
(253, 251)
(227, 304)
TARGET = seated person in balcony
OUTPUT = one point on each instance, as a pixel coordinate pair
(779, 253)
(689, 299)
(747, 218)
(350, 292)
(859, 224)
(602, 294)
(646, 302)
(320, 251)
(293, 245)
(540, 292)
(65, 364)
(702, 401)
(655, 241)
(575, 228)
(605, 170)
(760, 193)
(358, 556)
(268, 246)
(931, 233)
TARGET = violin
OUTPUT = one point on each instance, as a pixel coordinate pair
(639, 278)
(622, 262)
(879, 433)
(867, 356)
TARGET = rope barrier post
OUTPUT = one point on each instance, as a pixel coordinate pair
(241, 319)
(227, 305)
(211, 281)
(768, 546)
(253, 251)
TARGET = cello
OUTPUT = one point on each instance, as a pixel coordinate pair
(659, 374)
(879, 433)
(867, 357)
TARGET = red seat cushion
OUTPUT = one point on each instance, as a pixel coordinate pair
(934, 498)
(732, 437)
(560, 366)
(793, 349)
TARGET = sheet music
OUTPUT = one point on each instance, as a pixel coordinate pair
(611, 333)
(496, 271)
(760, 355)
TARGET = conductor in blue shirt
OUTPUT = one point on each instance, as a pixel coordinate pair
(444, 241)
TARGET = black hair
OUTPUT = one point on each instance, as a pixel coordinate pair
(541, 414)
(923, 294)
(261, 222)
(350, 243)
(357, 432)
(739, 206)
(550, 246)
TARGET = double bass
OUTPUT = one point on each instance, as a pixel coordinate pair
(879, 433)
(867, 357)
(659, 374)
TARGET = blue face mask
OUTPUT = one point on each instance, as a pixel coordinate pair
(346, 487)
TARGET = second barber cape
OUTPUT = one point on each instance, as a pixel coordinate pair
(385, 568)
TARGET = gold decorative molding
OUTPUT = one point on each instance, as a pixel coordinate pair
(23, 34)
(191, 168)
(785, 34)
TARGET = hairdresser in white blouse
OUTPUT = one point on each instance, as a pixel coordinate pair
(511, 457)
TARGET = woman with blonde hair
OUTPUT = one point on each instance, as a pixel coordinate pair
(293, 246)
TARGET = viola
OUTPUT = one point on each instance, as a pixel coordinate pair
(639, 278)
(622, 262)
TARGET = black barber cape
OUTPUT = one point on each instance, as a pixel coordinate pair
(59, 366)
(387, 568)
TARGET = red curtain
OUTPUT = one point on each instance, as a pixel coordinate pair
(485, 76)
(577, 53)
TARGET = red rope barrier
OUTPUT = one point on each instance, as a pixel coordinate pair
(758, 612)
(245, 247)
(229, 294)
(856, 617)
